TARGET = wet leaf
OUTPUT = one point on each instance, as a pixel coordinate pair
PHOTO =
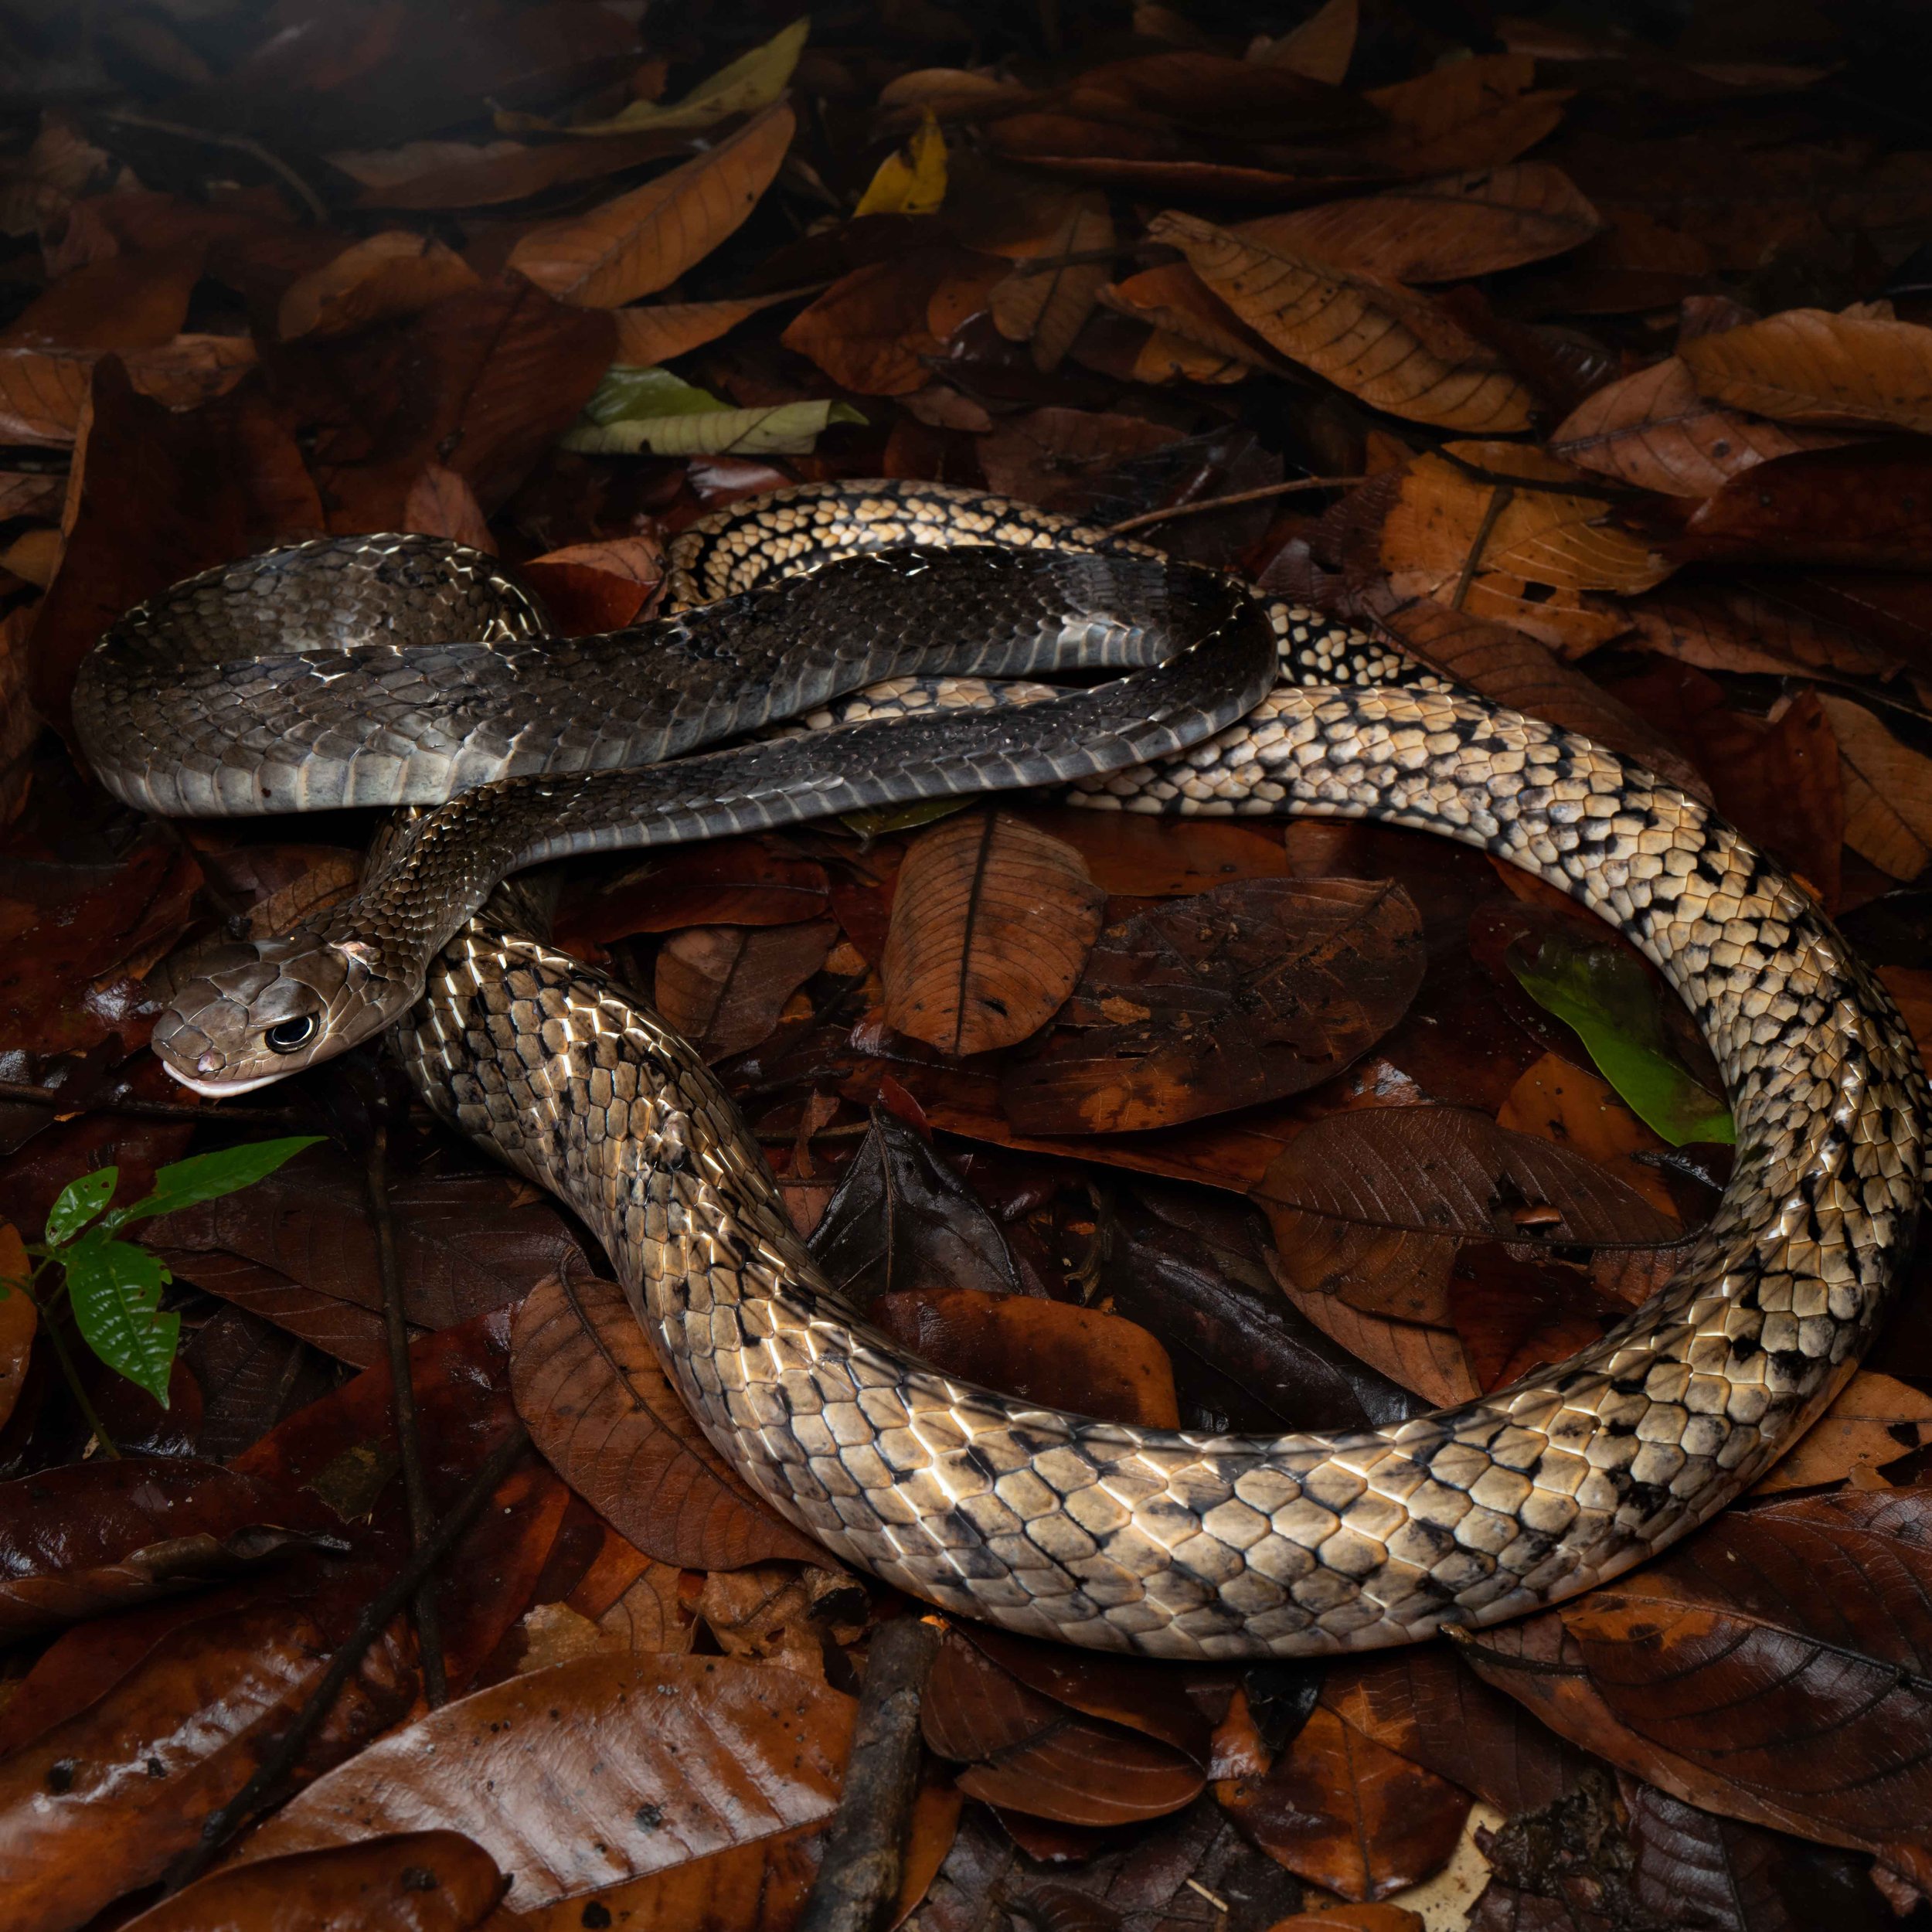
(1654, 431)
(1025, 1750)
(1347, 1813)
(729, 881)
(723, 987)
(592, 1773)
(1769, 1669)
(1807, 365)
(1451, 1170)
(1888, 791)
(1379, 341)
(1614, 1008)
(1437, 231)
(1048, 1353)
(644, 240)
(902, 1219)
(114, 1290)
(1247, 994)
(990, 924)
(413, 1881)
(392, 272)
(19, 1319)
(601, 1410)
(97, 1536)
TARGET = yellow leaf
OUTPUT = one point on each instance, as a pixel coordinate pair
(911, 181)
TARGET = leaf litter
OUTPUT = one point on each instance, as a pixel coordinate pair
(1592, 369)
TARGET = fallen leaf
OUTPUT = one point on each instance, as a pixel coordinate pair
(991, 925)
(656, 332)
(1446, 524)
(94, 1537)
(392, 272)
(1320, 47)
(1451, 1170)
(1857, 509)
(1345, 1812)
(723, 987)
(1874, 1418)
(1380, 342)
(723, 882)
(911, 181)
(1175, 300)
(413, 1881)
(1807, 365)
(1049, 309)
(441, 504)
(1475, 113)
(1048, 1353)
(1246, 994)
(1768, 1669)
(19, 1318)
(1654, 431)
(869, 331)
(1888, 791)
(594, 587)
(1061, 458)
(754, 80)
(586, 1383)
(461, 174)
(1473, 223)
(1025, 1750)
(644, 240)
(130, 301)
(592, 1773)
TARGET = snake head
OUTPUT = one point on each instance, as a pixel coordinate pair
(259, 1010)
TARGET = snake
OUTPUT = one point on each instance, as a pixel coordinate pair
(405, 670)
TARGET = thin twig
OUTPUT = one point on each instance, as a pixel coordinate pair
(1604, 492)
(1300, 484)
(71, 1375)
(859, 1875)
(24, 1094)
(409, 1439)
(1499, 500)
(1076, 258)
(239, 143)
(222, 1825)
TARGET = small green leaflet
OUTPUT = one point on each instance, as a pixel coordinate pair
(1612, 1005)
(114, 1289)
(80, 1201)
(207, 1177)
(637, 409)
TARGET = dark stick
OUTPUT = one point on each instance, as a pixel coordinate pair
(865, 1856)
(239, 143)
(1202, 505)
(222, 1825)
(409, 1438)
(23, 1093)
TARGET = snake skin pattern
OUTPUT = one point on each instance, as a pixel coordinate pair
(1178, 1544)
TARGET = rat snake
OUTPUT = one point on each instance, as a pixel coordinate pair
(387, 669)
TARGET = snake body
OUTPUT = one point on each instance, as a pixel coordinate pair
(1169, 1543)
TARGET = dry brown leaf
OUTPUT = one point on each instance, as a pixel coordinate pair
(1558, 1101)
(1875, 1418)
(1320, 48)
(1048, 308)
(19, 1318)
(1888, 791)
(395, 273)
(723, 987)
(992, 922)
(654, 334)
(41, 394)
(1471, 113)
(1384, 344)
(588, 1383)
(441, 503)
(1473, 223)
(1172, 297)
(1654, 431)
(871, 330)
(1446, 525)
(644, 240)
(1808, 366)
(1518, 671)
(120, 303)
(594, 1773)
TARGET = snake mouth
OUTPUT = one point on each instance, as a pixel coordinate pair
(216, 1090)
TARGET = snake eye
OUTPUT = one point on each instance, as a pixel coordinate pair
(288, 1036)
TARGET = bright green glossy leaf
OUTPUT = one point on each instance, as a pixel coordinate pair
(114, 1289)
(1612, 1006)
(80, 1201)
(207, 1177)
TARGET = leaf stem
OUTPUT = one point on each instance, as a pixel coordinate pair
(73, 1378)
(1206, 503)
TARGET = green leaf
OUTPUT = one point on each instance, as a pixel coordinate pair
(1612, 1006)
(879, 820)
(783, 429)
(630, 392)
(207, 1177)
(80, 1201)
(114, 1289)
